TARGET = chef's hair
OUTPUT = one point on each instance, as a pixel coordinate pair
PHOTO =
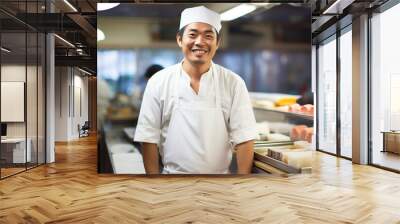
(181, 31)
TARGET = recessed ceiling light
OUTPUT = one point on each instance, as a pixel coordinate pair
(64, 40)
(337, 7)
(5, 50)
(84, 71)
(100, 35)
(106, 6)
(70, 5)
(237, 12)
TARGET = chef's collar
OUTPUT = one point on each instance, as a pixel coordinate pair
(204, 75)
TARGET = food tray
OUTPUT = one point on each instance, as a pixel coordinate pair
(276, 163)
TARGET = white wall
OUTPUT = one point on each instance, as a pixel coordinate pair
(61, 103)
(80, 109)
(125, 32)
(71, 93)
(14, 73)
(131, 32)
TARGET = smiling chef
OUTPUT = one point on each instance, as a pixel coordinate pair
(195, 114)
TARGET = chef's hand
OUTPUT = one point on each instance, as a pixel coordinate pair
(244, 156)
(150, 158)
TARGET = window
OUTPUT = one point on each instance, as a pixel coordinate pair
(327, 95)
(385, 87)
(22, 75)
(346, 93)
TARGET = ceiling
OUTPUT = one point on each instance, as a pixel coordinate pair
(275, 22)
(79, 27)
(277, 12)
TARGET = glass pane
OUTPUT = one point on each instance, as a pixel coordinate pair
(31, 84)
(41, 98)
(346, 94)
(31, 97)
(13, 85)
(327, 96)
(386, 89)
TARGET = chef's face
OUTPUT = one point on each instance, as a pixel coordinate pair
(198, 42)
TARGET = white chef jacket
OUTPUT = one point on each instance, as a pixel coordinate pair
(158, 104)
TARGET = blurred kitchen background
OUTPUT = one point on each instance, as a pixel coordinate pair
(269, 47)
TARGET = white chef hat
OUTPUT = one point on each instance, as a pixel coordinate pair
(200, 14)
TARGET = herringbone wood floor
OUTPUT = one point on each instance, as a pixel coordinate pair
(70, 191)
